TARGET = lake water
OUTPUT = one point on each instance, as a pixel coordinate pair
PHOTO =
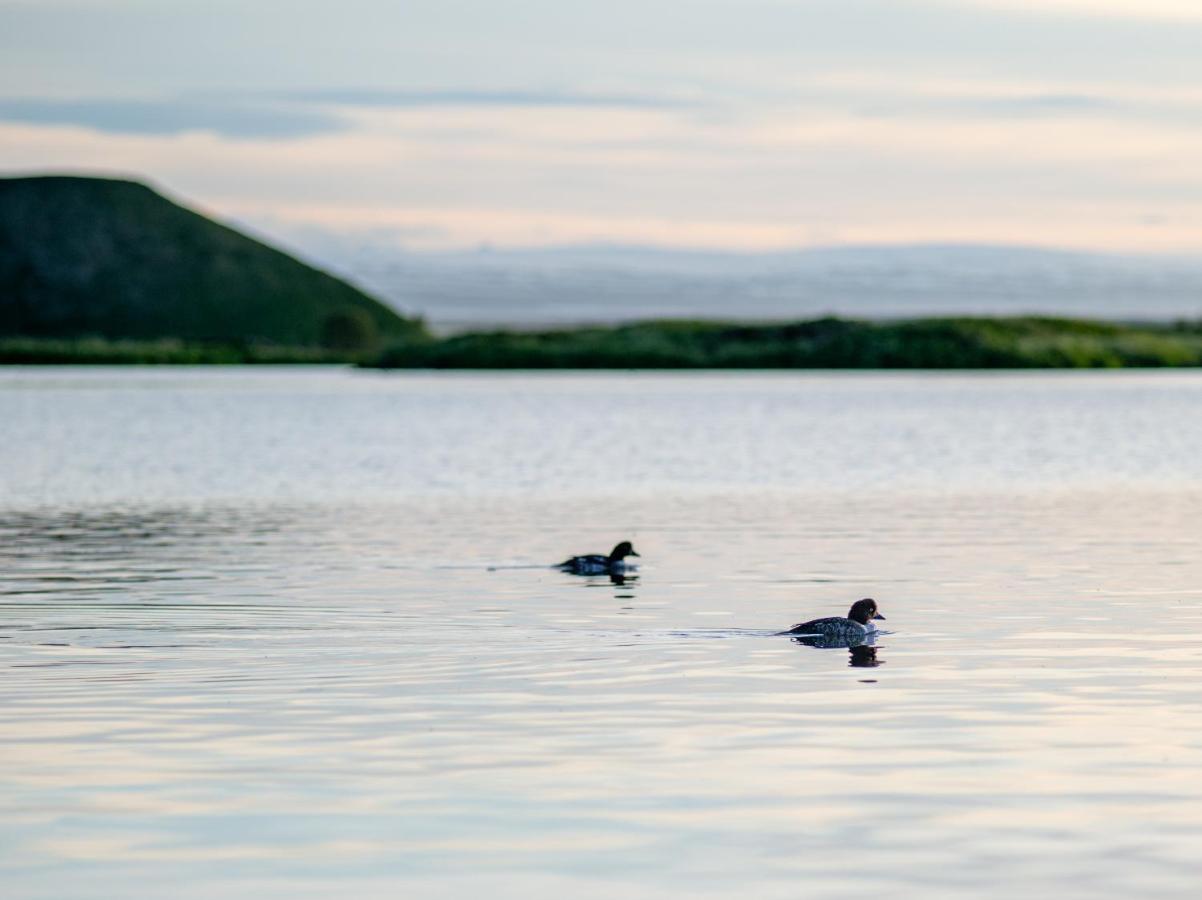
(291, 633)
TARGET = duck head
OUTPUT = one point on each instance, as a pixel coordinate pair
(621, 551)
(863, 610)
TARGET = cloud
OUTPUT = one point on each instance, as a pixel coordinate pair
(287, 115)
(1159, 10)
(1021, 105)
(996, 159)
(872, 96)
(367, 97)
(768, 180)
(228, 118)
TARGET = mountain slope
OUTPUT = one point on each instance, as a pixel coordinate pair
(107, 257)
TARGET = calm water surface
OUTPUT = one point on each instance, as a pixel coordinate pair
(290, 633)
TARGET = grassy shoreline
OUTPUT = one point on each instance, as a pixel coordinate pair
(1027, 342)
(933, 343)
(105, 352)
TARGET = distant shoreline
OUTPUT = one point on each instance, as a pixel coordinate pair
(31, 351)
(1024, 342)
(1027, 342)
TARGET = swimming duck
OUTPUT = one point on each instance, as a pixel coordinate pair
(857, 626)
(597, 564)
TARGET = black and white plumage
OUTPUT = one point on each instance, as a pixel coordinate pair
(837, 630)
(599, 564)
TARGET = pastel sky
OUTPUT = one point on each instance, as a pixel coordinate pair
(743, 124)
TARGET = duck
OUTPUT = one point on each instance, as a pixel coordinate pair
(600, 564)
(857, 626)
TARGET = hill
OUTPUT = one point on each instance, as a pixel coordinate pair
(114, 259)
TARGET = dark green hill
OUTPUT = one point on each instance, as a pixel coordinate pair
(115, 259)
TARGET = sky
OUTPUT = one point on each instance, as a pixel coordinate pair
(724, 124)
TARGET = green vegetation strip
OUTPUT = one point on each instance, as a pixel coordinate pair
(950, 343)
(956, 343)
(101, 351)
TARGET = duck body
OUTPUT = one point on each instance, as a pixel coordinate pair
(854, 628)
(599, 563)
(833, 628)
(593, 564)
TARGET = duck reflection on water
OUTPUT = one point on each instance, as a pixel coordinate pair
(864, 657)
(862, 650)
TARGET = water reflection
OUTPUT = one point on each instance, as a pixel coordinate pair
(862, 651)
(623, 585)
(245, 697)
(864, 657)
(108, 531)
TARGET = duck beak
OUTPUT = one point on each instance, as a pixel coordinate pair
(879, 616)
(635, 553)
